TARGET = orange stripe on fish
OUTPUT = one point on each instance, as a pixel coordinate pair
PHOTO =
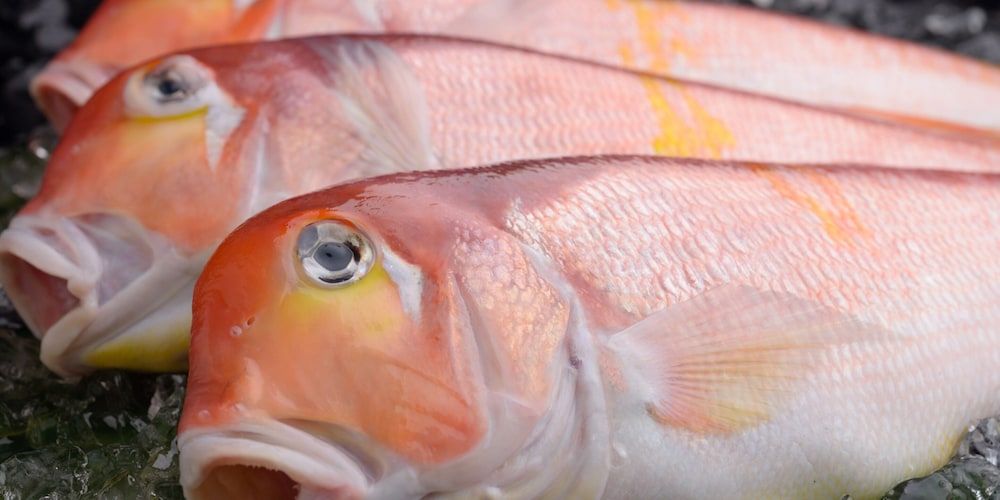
(833, 221)
(708, 135)
(841, 205)
(934, 124)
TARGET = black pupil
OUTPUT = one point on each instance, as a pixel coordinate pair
(169, 87)
(334, 256)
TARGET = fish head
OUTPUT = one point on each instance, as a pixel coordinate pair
(144, 183)
(122, 33)
(165, 160)
(351, 347)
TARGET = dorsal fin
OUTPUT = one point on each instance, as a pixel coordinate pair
(384, 102)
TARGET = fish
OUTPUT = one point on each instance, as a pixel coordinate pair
(727, 46)
(597, 327)
(169, 157)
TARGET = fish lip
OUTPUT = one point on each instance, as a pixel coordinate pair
(90, 324)
(79, 266)
(317, 466)
(64, 86)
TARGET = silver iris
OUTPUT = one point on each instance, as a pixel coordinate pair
(332, 255)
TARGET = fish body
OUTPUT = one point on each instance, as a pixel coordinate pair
(169, 157)
(616, 327)
(726, 46)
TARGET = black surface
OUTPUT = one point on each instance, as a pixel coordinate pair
(31, 32)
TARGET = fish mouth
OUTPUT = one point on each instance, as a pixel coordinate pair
(92, 286)
(64, 86)
(267, 460)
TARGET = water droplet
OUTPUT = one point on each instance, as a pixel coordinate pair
(204, 414)
(42, 141)
(236, 331)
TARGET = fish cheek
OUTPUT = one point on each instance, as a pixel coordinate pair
(521, 317)
(161, 175)
(354, 358)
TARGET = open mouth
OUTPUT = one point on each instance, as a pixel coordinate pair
(64, 86)
(249, 482)
(25, 281)
(267, 460)
(83, 282)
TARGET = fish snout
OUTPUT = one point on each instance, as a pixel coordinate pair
(64, 274)
(64, 86)
(266, 459)
(47, 270)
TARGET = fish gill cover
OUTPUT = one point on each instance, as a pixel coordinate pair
(112, 435)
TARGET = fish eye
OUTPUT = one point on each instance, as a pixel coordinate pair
(331, 254)
(174, 86)
(167, 86)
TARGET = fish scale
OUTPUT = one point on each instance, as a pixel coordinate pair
(721, 45)
(756, 331)
(180, 173)
(568, 103)
(954, 257)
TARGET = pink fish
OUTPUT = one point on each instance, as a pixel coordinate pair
(722, 45)
(617, 327)
(169, 157)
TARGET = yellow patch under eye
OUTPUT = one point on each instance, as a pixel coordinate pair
(369, 308)
(181, 116)
(158, 348)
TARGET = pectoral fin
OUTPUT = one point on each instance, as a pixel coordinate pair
(729, 358)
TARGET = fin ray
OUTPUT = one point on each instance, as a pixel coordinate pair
(384, 102)
(728, 358)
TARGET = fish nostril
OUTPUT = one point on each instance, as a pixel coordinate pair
(40, 298)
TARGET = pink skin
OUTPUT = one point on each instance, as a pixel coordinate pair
(166, 182)
(728, 46)
(727, 316)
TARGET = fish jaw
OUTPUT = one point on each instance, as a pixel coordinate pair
(64, 86)
(264, 460)
(85, 284)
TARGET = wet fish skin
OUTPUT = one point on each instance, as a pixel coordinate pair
(723, 45)
(143, 186)
(715, 329)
